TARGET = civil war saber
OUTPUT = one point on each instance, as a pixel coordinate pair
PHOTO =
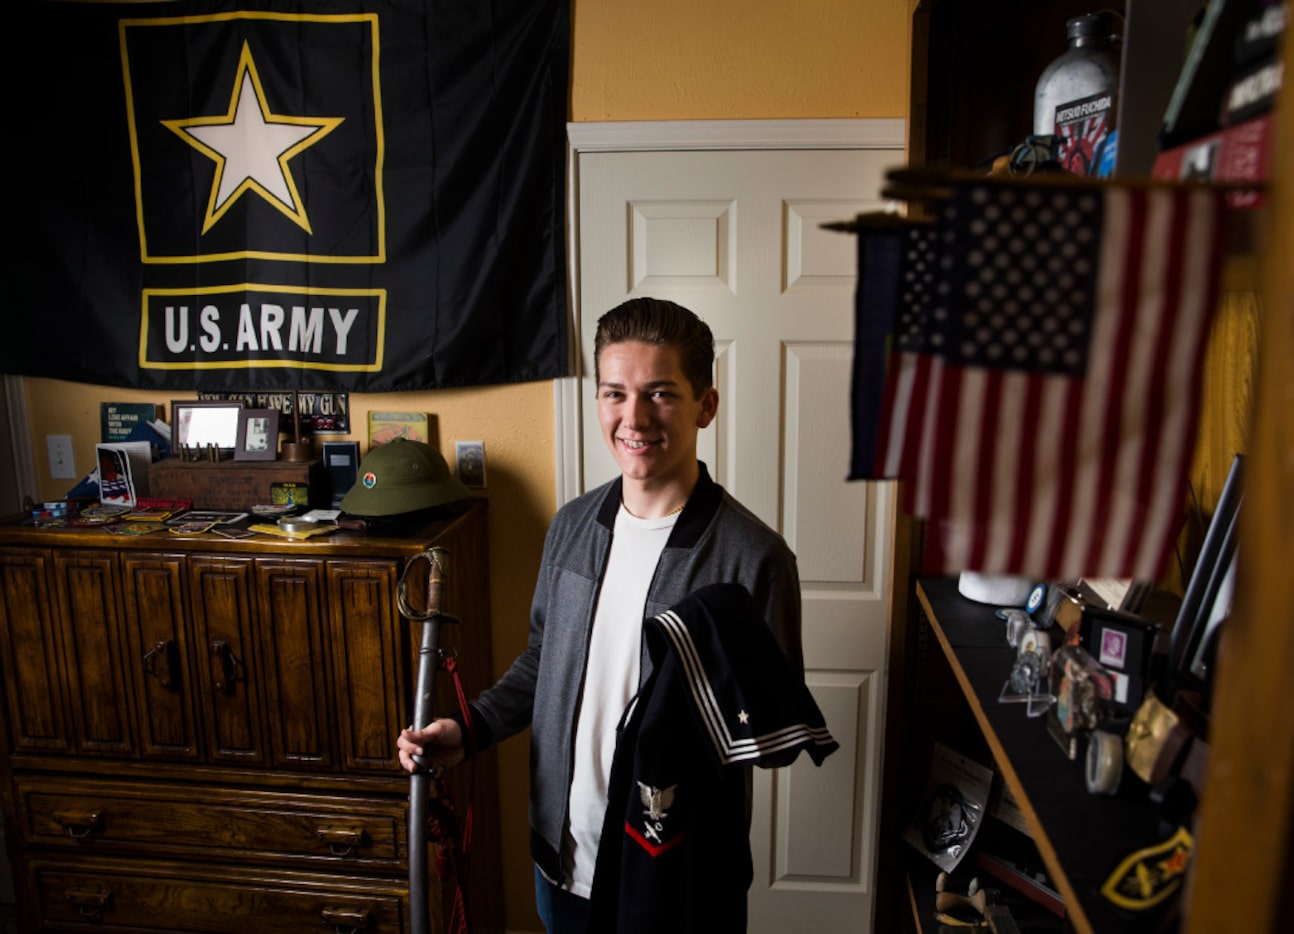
(424, 700)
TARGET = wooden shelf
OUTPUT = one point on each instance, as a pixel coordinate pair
(1081, 837)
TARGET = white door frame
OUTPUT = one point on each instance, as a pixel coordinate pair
(22, 467)
(674, 135)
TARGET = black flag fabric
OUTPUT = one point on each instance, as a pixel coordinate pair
(323, 195)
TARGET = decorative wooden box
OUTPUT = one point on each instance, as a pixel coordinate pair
(233, 484)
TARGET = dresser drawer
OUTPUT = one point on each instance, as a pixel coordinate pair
(85, 893)
(213, 823)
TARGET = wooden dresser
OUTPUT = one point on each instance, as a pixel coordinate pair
(199, 733)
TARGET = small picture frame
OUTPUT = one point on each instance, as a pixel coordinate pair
(202, 425)
(1206, 604)
(471, 463)
(1124, 645)
(258, 435)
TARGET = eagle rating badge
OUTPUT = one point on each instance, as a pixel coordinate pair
(1148, 876)
(653, 836)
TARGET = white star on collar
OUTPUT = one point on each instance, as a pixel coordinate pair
(251, 147)
(743, 717)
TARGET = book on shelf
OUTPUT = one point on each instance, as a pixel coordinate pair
(1195, 107)
(117, 420)
(1253, 92)
(1240, 153)
(1232, 71)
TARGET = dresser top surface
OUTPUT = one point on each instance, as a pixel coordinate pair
(394, 537)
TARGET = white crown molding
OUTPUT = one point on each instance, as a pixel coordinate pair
(663, 135)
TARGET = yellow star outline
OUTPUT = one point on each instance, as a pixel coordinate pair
(251, 147)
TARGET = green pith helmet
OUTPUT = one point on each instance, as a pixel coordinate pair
(402, 476)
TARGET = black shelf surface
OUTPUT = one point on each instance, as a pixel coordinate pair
(1088, 835)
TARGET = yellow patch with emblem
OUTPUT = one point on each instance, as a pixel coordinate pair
(1148, 876)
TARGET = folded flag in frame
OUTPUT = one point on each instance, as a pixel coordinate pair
(1043, 376)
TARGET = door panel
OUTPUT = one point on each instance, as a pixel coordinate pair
(96, 667)
(224, 626)
(39, 718)
(364, 638)
(736, 236)
(157, 636)
(288, 598)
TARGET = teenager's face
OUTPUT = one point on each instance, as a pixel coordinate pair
(649, 415)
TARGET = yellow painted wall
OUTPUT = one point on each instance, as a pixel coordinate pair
(659, 60)
(740, 59)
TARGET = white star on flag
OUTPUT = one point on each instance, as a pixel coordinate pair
(251, 147)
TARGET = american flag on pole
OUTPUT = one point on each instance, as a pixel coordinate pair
(1043, 390)
(895, 271)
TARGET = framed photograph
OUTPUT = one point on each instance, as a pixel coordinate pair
(203, 424)
(258, 435)
(1124, 645)
(1207, 601)
(471, 463)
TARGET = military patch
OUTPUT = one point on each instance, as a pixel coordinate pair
(653, 836)
(1148, 876)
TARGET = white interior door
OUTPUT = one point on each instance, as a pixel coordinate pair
(735, 235)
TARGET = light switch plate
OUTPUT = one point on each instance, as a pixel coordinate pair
(60, 457)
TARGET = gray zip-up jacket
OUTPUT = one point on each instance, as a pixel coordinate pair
(716, 540)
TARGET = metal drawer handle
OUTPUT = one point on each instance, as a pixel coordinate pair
(342, 841)
(166, 656)
(347, 920)
(90, 903)
(231, 668)
(80, 825)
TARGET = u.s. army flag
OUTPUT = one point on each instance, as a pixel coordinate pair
(354, 195)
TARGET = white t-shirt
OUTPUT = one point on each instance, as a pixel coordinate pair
(610, 680)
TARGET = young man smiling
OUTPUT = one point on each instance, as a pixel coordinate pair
(629, 550)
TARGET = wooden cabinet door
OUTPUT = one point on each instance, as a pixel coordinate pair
(94, 661)
(231, 688)
(157, 637)
(290, 628)
(368, 645)
(30, 655)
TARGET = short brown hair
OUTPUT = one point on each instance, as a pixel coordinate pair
(656, 321)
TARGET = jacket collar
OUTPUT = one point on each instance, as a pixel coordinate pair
(694, 519)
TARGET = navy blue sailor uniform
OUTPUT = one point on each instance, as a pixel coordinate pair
(675, 851)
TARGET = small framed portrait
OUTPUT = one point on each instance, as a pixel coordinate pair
(258, 435)
(471, 463)
(1125, 646)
